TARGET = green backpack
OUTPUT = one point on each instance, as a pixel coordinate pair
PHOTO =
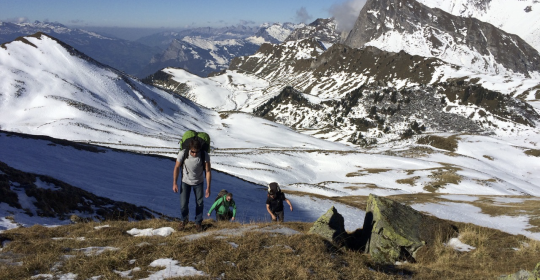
(192, 135)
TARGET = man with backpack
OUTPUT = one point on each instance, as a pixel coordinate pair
(274, 202)
(194, 168)
(222, 205)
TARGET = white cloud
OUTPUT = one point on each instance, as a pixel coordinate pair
(346, 13)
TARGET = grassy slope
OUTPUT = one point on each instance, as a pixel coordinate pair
(257, 256)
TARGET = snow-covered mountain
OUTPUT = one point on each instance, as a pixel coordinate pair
(362, 96)
(162, 40)
(322, 30)
(520, 17)
(410, 26)
(49, 88)
(202, 51)
(200, 56)
(129, 57)
(275, 33)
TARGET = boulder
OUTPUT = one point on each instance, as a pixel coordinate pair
(524, 274)
(396, 232)
(330, 226)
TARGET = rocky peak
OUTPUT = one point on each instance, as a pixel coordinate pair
(323, 30)
(407, 25)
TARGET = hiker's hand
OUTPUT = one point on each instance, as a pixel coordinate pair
(208, 214)
(175, 188)
(207, 193)
(273, 218)
(232, 219)
(291, 208)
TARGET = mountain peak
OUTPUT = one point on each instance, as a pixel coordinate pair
(408, 25)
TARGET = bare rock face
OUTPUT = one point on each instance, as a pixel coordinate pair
(331, 226)
(322, 29)
(398, 231)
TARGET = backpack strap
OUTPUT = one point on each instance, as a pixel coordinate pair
(186, 154)
(203, 159)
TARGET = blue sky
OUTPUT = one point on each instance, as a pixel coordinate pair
(174, 14)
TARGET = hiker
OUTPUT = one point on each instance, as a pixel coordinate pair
(192, 178)
(222, 206)
(274, 202)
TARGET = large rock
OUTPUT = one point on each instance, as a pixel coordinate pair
(524, 274)
(396, 231)
(331, 226)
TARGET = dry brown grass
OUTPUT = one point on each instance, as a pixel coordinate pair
(445, 143)
(533, 152)
(366, 171)
(257, 256)
(264, 255)
(412, 152)
(488, 157)
(408, 181)
(441, 177)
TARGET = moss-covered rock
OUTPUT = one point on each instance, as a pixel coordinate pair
(524, 274)
(398, 231)
(331, 226)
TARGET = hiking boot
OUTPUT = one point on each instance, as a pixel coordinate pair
(199, 228)
(182, 225)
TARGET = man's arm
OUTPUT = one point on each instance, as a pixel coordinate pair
(176, 172)
(234, 209)
(268, 209)
(208, 178)
(289, 202)
(213, 206)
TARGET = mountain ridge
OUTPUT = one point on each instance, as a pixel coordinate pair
(411, 26)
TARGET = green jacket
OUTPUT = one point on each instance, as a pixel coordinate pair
(224, 207)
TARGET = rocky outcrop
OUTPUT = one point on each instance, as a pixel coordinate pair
(397, 232)
(330, 226)
(524, 274)
(322, 29)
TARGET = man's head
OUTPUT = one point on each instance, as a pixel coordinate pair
(228, 197)
(194, 147)
(272, 193)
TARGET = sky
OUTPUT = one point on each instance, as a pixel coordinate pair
(175, 14)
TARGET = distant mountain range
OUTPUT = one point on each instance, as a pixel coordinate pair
(129, 57)
(202, 51)
(199, 50)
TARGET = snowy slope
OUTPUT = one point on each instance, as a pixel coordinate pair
(513, 16)
(46, 90)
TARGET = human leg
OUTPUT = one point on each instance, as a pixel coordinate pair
(185, 192)
(221, 217)
(199, 196)
(279, 215)
(224, 217)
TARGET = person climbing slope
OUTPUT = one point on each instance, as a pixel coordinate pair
(222, 206)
